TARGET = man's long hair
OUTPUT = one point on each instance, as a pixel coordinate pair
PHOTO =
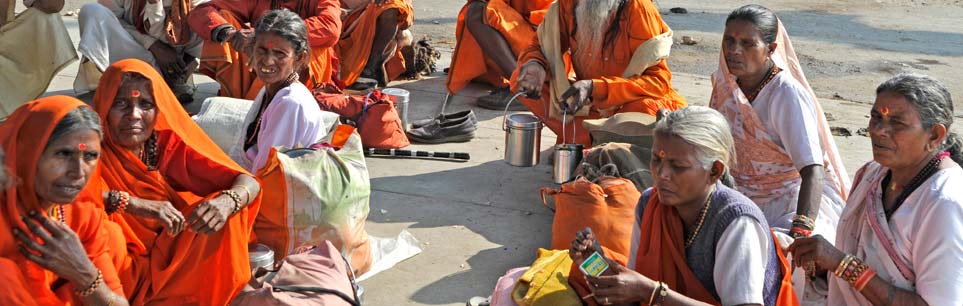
(592, 39)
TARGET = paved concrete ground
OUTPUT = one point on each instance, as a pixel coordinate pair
(476, 219)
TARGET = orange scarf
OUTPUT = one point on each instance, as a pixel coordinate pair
(24, 136)
(661, 255)
(164, 268)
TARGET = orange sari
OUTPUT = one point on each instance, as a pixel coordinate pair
(24, 136)
(189, 268)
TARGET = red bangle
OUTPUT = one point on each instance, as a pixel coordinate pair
(864, 279)
(801, 232)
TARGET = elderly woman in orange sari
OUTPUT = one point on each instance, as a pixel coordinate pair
(159, 171)
(53, 145)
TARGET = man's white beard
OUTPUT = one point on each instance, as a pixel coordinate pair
(592, 18)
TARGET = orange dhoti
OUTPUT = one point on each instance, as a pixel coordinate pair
(231, 70)
(514, 19)
(357, 38)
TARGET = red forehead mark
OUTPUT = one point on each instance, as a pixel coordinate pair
(82, 146)
(270, 45)
(661, 153)
(884, 111)
(135, 93)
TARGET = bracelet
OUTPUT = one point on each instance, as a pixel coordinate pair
(799, 232)
(123, 201)
(654, 292)
(248, 192)
(235, 197)
(663, 291)
(843, 264)
(854, 270)
(803, 221)
(864, 279)
(92, 287)
(117, 201)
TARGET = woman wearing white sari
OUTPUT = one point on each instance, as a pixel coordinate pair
(787, 160)
(899, 240)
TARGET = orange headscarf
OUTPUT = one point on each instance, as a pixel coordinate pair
(164, 268)
(24, 136)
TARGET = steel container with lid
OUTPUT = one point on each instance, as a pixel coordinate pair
(261, 256)
(523, 137)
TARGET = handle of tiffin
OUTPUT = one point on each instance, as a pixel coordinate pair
(548, 191)
(505, 113)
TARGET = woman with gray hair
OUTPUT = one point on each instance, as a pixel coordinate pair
(285, 113)
(696, 240)
(899, 241)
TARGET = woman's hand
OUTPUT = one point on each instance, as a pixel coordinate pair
(210, 216)
(815, 252)
(625, 286)
(162, 211)
(531, 79)
(577, 96)
(59, 250)
(583, 246)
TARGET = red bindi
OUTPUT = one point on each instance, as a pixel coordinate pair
(135, 93)
(661, 153)
(884, 111)
(82, 146)
(270, 45)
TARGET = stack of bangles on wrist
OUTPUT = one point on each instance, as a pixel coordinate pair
(659, 293)
(855, 272)
(92, 287)
(234, 197)
(802, 226)
(117, 201)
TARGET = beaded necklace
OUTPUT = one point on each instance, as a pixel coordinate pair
(772, 74)
(702, 219)
(253, 131)
(148, 155)
(931, 167)
(57, 212)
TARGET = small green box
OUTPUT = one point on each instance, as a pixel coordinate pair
(594, 265)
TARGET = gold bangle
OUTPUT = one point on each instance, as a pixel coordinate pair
(654, 291)
(92, 287)
(843, 264)
(804, 220)
(248, 192)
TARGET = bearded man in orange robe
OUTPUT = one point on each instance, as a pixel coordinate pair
(618, 57)
(505, 28)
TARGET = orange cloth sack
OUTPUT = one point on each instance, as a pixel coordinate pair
(607, 207)
(317, 194)
(373, 114)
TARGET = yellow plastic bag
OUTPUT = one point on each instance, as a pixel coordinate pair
(546, 282)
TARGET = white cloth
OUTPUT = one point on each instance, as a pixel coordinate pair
(740, 268)
(34, 46)
(293, 119)
(793, 127)
(107, 35)
(924, 232)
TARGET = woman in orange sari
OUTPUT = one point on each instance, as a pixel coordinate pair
(696, 240)
(53, 146)
(157, 167)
